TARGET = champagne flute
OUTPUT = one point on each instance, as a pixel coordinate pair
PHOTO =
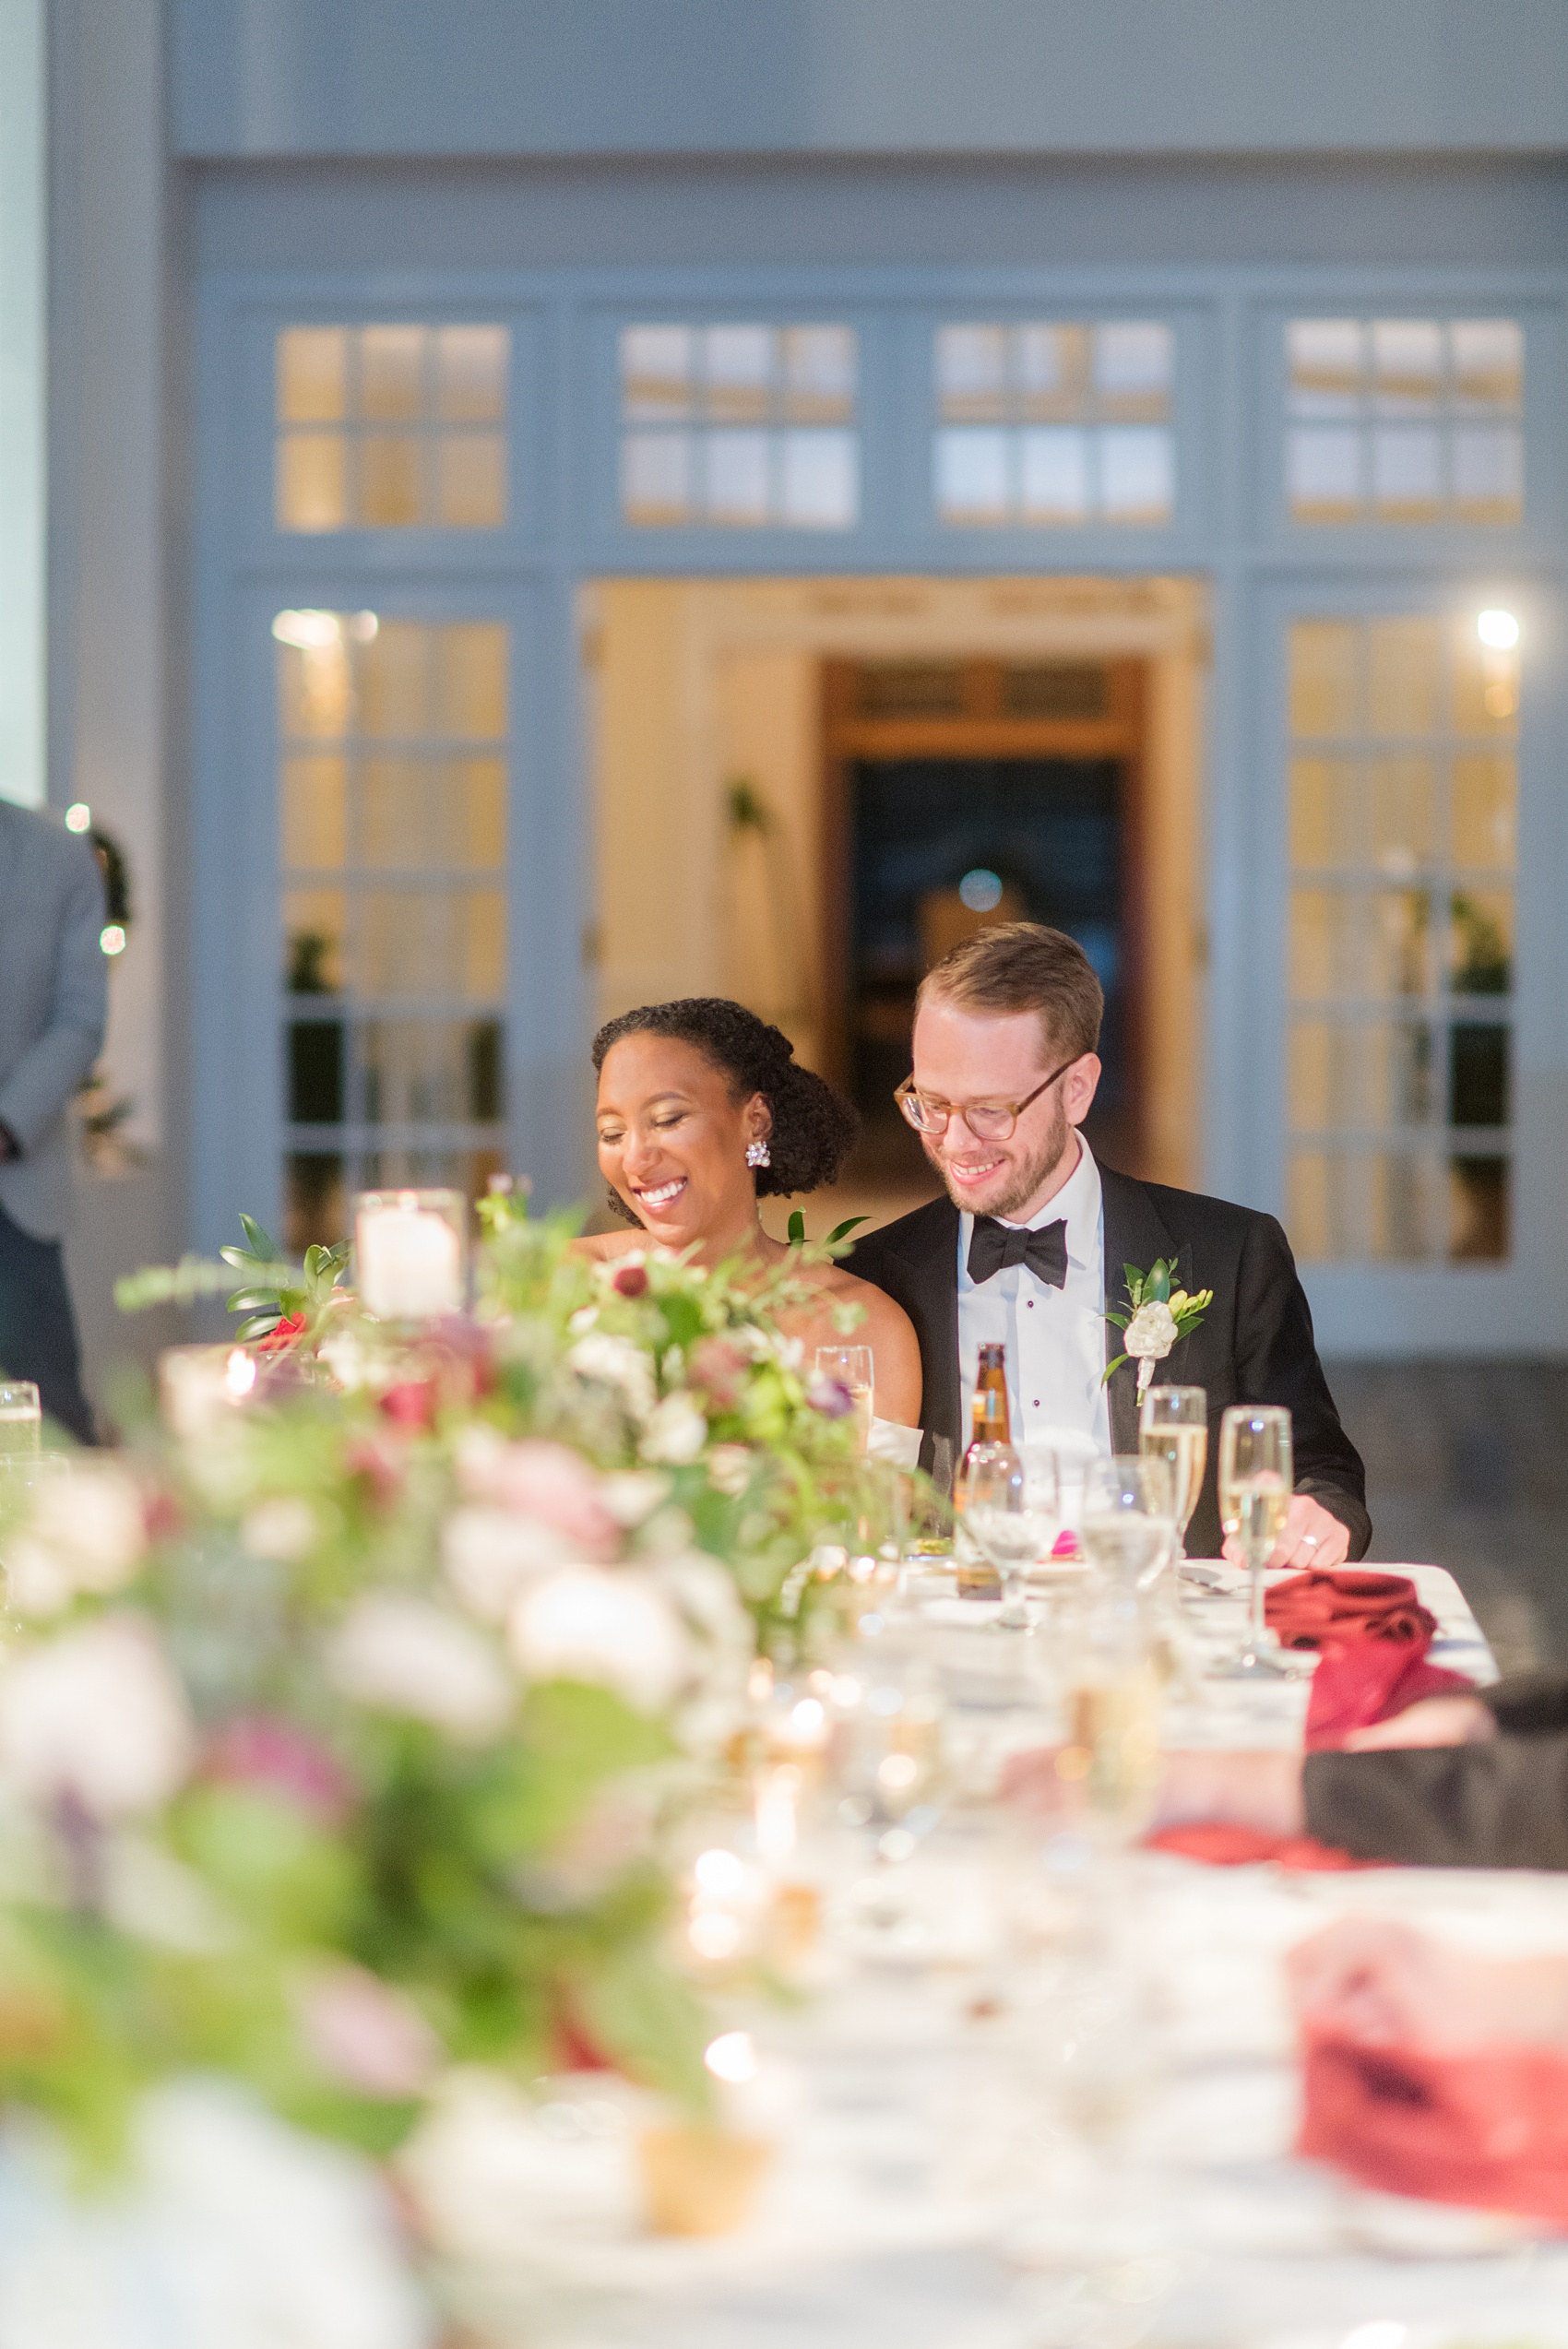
(853, 1368)
(1129, 1521)
(1174, 1426)
(1256, 1478)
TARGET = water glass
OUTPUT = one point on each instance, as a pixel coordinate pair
(1129, 1521)
(21, 1422)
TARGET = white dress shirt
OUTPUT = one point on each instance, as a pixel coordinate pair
(1055, 1337)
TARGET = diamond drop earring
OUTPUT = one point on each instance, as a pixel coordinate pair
(758, 1155)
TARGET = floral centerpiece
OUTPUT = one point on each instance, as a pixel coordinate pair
(339, 1731)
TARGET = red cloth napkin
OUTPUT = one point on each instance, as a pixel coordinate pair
(1225, 1846)
(1328, 1607)
(1488, 2128)
(1353, 1687)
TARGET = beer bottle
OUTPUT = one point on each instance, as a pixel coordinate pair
(990, 1465)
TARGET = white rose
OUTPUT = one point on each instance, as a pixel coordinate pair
(87, 1532)
(488, 1555)
(99, 1715)
(676, 1432)
(613, 1627)
(730, 1469)
(633, 1494)
(399, 1654)
(285, 1528)
(615, 1362)
(1151, 1332)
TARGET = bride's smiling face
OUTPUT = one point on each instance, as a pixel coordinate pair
(673, 1140)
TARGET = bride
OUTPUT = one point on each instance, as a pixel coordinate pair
(701, 1111)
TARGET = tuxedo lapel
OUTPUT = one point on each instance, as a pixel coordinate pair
(1135, 1234)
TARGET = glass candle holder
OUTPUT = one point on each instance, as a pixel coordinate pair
(411, 1254)
(197, 1384)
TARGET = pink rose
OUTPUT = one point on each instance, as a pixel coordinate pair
(371, 2038)
(546, 1481)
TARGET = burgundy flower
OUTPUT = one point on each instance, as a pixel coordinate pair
(282, 1334)
(831, 1398)
(411, 1402)
(631, 1281)
(260, 1750)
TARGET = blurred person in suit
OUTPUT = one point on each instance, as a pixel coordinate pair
(53, 1002)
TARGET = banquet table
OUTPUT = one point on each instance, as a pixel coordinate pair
(926, 2195)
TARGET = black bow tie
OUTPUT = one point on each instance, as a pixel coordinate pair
(995, 1247)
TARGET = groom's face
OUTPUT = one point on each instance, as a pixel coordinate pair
(964, 1057)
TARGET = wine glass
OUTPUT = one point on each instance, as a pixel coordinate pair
(1019, 1533)
(853, 1368)
(1129, 1521)
(1256, 1483)
(1173, 1427)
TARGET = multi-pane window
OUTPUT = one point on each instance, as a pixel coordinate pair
(1404, 419)
(739, 426)
(391, 427)
(1057, 424)
(1403, 795)
(393, 812)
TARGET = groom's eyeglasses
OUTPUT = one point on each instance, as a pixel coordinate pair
(987, 1120)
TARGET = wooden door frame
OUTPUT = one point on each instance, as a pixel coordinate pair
(981, 727)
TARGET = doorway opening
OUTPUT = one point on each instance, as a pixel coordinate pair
(957, 794)
(806, 788)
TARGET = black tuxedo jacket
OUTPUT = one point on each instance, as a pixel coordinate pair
(1253, 1345)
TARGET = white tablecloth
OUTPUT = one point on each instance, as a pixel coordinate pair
(913, 2203)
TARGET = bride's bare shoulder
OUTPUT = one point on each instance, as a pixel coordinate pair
(603, 1245)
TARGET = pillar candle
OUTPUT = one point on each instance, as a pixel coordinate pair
(411, 1263)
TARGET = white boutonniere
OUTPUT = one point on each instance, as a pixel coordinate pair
(1157, 1316)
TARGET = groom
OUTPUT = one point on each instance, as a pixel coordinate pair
(1028, 1246)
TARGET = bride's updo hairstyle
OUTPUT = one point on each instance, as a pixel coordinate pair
(812, 1125)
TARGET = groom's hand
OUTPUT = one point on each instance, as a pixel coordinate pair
(1312, 1538)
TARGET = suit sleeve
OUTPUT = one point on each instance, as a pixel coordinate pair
(1276, 1362)
(43, 1080)
(1503, 1805)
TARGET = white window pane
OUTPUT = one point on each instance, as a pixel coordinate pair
(1488, 362)
(821, 480)
(738, 370)
(1407, 471)
(656, 372)
(971, 475)
(1406, 365)
(1136, 473)
(1323, 472)
(972, 370)
(1054, 368)
(1325, 356)
(736, 487)
(1055, 468)
(1489, 469)
(656, 477)
(1131, 356)
(819, 371)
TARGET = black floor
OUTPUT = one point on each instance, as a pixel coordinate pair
(1467, 1468)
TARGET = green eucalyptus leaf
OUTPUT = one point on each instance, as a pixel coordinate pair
(1114, 1366)
(842, 1231)
(1134, 1281)
(1121, 1319)
(1157, 1288)
(797, 1229)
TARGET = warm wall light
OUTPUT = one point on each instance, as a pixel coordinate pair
(1499, 630)
(111, 938)
(78, 816)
